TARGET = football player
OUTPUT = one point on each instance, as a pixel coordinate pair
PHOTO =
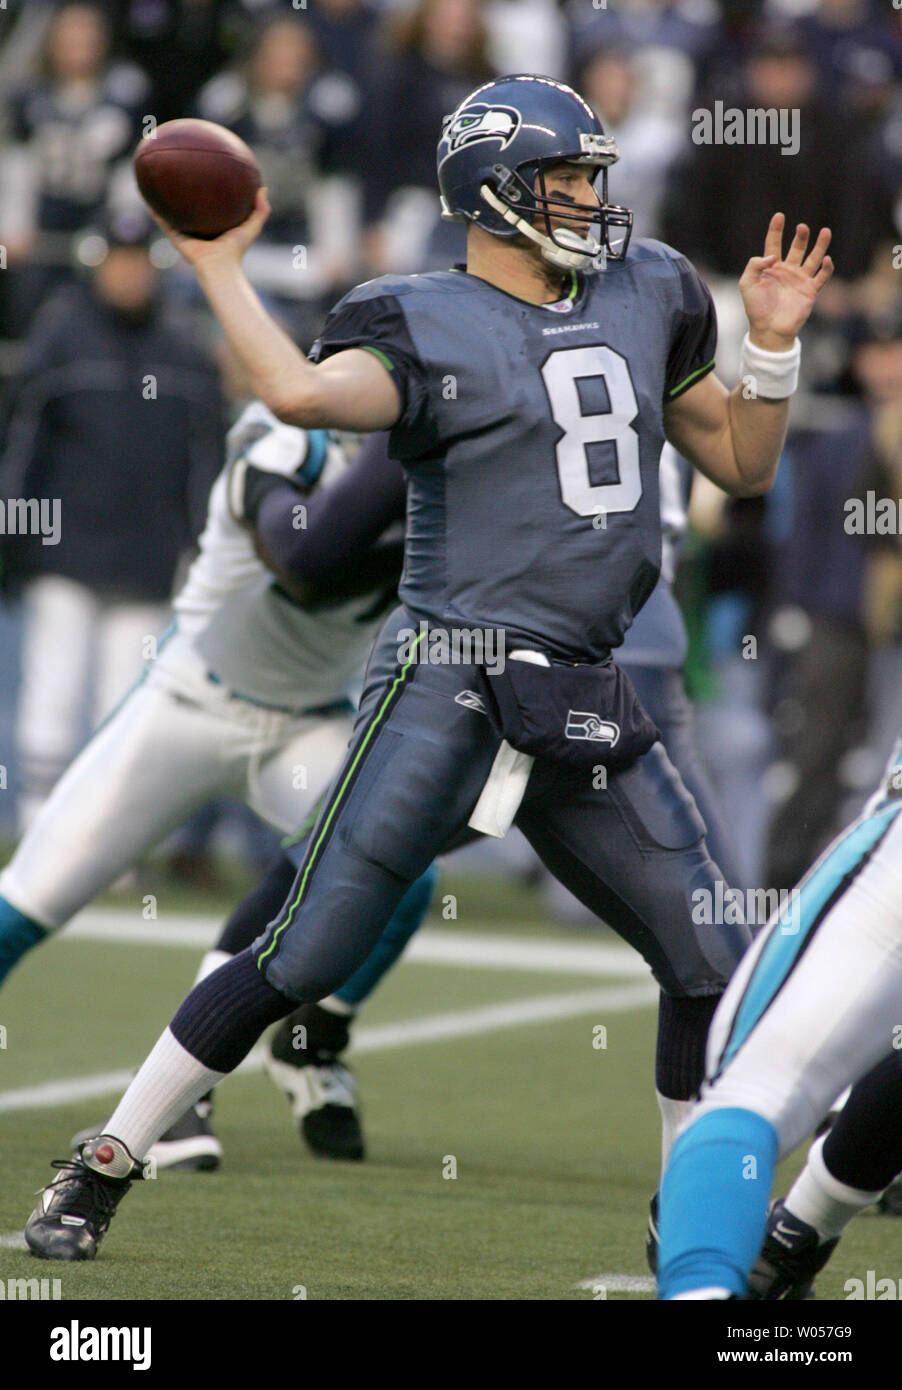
(316, 1080)
(249, 696)
(813, 1007)
(528, 395)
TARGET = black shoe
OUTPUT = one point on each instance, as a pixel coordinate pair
(302, 1058)
(652, 1239)
(74, 1211)
(188, 1146)
(792, 1254)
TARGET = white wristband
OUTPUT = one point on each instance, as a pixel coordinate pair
(774, 375)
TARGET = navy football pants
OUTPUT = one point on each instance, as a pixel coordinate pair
(633, 851)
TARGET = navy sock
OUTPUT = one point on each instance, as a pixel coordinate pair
(224, 1015)
(18, 934)
(864, 1147)
(682, 1035)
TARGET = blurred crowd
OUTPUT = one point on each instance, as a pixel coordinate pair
(795, 618)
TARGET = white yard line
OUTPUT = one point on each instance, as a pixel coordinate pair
(130, 929)
(497, 952)
(12, 1240)
(431, 946)
(75, 1088)
(619, 1283)
(490, 1018)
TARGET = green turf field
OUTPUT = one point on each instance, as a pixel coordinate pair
(554, 1139)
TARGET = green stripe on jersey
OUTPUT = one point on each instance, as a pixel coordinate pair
(376, 720)
(691, 377)
(377, 352)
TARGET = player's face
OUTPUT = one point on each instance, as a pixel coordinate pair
(570, 183)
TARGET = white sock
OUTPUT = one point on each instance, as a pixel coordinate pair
(822, 1200)
(673, 1113)
(168, 1083)
(211, 961)
(714, 1292)
(334, 1005)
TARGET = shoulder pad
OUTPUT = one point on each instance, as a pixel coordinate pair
(394, 286)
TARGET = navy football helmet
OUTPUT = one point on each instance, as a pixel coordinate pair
(491, 167)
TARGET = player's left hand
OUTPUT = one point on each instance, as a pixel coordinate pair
(779, 293)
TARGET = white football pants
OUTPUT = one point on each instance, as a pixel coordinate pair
(175, 742)
(817, 999)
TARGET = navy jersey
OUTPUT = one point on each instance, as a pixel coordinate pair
(531, 436)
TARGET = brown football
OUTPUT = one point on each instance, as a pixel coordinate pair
(201, 178)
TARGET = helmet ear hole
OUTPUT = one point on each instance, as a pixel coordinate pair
(506, 186)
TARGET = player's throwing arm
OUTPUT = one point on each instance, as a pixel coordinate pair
(351, 391)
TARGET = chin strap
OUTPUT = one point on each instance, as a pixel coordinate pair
(583, 248)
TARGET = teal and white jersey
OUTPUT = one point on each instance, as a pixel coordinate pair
(257, 641)
(531, 435)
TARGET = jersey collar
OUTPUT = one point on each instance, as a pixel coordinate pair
(554, 306)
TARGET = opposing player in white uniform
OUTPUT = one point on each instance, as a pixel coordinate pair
(813, 1006)
(250, 696)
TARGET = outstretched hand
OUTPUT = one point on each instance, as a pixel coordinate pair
(229, 246)
(779, 293)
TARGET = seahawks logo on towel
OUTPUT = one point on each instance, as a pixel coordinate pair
(581, 724)
(482, 122)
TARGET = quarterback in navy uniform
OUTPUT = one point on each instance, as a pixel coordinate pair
(528, 397)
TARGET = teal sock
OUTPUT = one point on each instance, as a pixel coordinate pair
(18, 934)
(714, 1200)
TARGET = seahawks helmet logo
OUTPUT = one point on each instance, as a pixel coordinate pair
(583, 724)
(481, 122)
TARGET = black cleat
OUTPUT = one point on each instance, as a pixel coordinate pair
(188, 1146)
(74, 1211)
(791, 1256)
(652, 1239)
(302, 1058)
